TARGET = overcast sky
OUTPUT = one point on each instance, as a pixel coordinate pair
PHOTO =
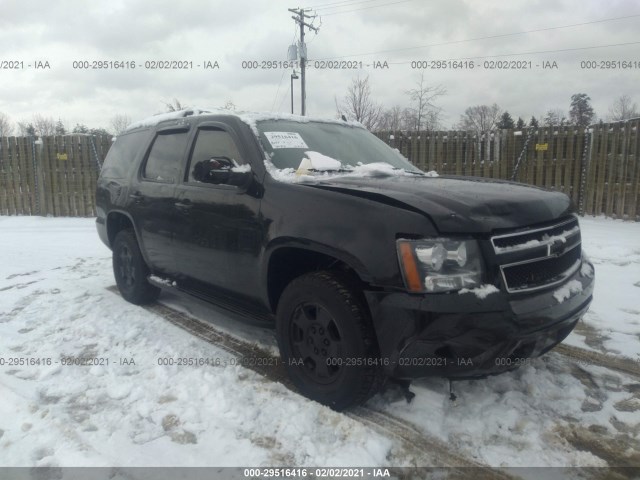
(232, 32)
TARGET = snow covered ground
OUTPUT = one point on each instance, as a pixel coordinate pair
(54, 303)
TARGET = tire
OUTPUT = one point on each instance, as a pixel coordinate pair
(321, 321)
(131, 271)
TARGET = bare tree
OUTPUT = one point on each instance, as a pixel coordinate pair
(44, 126)
(408, 119)
(6, 129)
(623, 108)
(391, 119)
(119, 123)
(555, 117)
(426, 113)
(175, 105)
(229, 105)
(358, 104)
(481, 118)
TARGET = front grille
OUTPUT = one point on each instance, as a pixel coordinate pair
(537, 258)
(542, 272)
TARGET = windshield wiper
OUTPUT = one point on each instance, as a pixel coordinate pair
(332, 170)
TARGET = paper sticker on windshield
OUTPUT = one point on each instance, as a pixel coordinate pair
(285, 140)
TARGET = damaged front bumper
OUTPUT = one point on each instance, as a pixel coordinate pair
(463, 336)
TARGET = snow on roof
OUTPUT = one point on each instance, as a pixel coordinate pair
(250, 118)
(161, 117)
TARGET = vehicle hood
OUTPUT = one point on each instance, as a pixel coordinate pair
(458, 204)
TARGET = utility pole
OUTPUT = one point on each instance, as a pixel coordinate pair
(299, 19)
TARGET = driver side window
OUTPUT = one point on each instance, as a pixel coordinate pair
(213, 150)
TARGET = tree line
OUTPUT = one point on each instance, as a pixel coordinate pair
(422, 112)
(40, 125)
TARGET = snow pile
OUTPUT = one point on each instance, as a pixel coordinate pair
(317, 161)
(324, 168)
(482, 292)
(565, 292)
(241, 168)
(376, 170)
(162, 281)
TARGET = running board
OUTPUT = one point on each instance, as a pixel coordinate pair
(219, 301)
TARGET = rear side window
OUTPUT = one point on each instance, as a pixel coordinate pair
(165, 157)
(122, 154)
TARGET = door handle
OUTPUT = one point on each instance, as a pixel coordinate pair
(137, 197)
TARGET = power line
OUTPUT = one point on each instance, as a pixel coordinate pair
(501, 35)
(531, 53)
(285, 96)
(273, 104)
(326, 5)
(367, 8)
(347, 3)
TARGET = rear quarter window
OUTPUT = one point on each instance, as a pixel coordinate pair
(122, 155)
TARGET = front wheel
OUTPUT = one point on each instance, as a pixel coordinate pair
(131, 271)
(327, 341)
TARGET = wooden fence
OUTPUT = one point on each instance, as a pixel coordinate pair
(52, 176)
(598, 168)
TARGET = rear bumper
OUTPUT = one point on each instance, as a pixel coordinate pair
(460, 335)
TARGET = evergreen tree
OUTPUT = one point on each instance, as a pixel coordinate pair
(520, 123)
(80, 128)
(581, 111)
(26, 129)
(533, 122)
(506, 121)
(98, 131)
(60, 130)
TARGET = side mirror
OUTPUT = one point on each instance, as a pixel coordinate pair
(215, 170)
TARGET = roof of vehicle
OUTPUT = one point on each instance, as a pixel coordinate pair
(250, 118)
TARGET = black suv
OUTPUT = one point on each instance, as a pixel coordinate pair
(367, 267)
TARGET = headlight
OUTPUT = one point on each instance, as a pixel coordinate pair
(440, 264)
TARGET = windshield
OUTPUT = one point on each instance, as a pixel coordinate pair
(317, 146)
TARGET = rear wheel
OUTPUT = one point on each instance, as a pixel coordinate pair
(327, 341)
(131, 271)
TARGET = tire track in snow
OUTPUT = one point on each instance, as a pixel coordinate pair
(415, 444)
(623, 365)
